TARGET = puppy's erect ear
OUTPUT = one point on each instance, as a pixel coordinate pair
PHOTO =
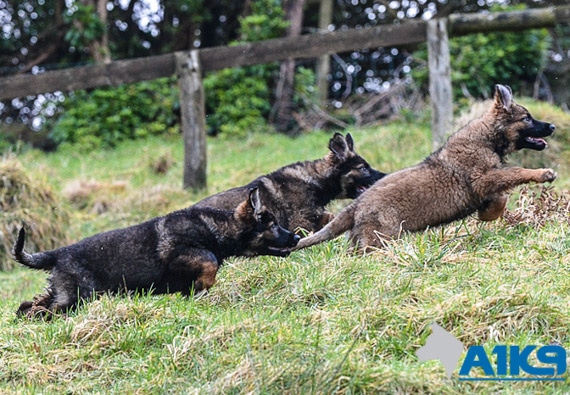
(339, 146)
(503, 96)
(350, 142)
(255, 201)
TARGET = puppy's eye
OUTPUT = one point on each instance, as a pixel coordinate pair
(527, 119)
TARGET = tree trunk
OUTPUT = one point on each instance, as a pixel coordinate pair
(281, 112)
(99, 48)
(104, 54)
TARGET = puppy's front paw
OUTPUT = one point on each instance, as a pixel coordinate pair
(548, 175)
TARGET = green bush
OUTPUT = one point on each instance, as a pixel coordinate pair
(238, 100)
(479, 61)
(105, 117)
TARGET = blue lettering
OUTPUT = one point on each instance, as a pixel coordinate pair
(476, 358)
(501, 352)
(553, 355)
(519, 360)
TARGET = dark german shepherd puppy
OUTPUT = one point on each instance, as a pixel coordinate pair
(299, 193)
(467, 175)
(178, 252)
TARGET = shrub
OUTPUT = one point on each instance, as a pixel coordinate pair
(238, 100)
(104, 117)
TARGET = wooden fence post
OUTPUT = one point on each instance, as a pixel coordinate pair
(193, 118)
(324, 63)
(439, 80)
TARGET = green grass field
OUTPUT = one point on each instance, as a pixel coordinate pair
(320, 321)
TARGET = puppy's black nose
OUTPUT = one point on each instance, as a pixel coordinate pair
(296, 239)
(552, 127)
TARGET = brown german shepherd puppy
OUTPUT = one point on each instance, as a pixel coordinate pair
(179, 252)
(468, 174)
(299, 193)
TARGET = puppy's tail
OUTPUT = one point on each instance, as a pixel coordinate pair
(341, 223)
(35, 261)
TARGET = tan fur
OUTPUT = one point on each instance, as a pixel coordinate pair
(494, 210)
(466, 175)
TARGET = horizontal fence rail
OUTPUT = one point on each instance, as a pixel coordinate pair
(301, 47)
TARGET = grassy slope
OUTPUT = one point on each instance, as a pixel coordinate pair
(319, 321)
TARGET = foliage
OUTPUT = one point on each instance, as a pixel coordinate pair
(479, 61)
(238, 100)
(86, 25)
(104, 117)
(482, 60)
(267, 20)
(305, 88)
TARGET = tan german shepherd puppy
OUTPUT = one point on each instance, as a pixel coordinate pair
(468, 174)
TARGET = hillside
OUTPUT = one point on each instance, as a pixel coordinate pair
(320, 321)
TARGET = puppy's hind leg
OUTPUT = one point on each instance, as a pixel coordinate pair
(65, 292)
(494, 209)
(366, 238)
(38, 308)
(24, 308)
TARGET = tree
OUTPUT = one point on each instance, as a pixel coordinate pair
(281, 111)
(99, 46)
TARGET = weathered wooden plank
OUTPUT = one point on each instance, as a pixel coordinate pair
(562, 14)
(193, 118)
(111, 74)
(148, 68)
(312, 46)
(463, 24)
(324, 64)
(215, 58)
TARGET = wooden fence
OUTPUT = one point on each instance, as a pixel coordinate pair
(190, 66)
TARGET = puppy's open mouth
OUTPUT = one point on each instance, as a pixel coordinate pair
(536, 143)
(279, 251)
(284, 250)
(361, 189)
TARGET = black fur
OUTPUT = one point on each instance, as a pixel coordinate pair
(178, 252)
(300, 192)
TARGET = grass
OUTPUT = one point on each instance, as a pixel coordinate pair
(320, 321)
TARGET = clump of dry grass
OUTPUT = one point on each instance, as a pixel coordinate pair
(96, 196)
(162, 163)
(539, 205)
(24, 200)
